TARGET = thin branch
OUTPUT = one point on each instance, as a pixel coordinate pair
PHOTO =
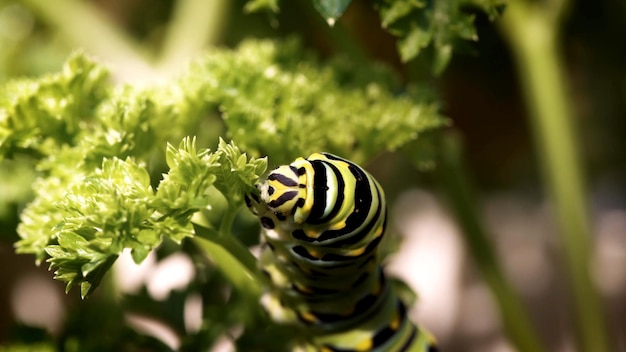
(458, 187)
(531, 30)
(195, 25)
(84, 26)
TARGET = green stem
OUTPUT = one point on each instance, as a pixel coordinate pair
(232, 258)
(531, 30)
(223, 237)
(83, 25)
(194, 26)
(457, 185)
(227, 221)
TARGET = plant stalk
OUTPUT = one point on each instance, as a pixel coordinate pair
(194, 26)
(458, 186)
(232, 258)
(531, 30)
(85, 26)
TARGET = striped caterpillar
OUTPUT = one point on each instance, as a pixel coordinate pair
(323, 218)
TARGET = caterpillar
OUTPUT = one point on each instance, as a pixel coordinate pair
(323, 218)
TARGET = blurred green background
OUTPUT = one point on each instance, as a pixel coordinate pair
(481, 93)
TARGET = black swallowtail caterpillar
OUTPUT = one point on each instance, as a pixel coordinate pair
(323, 218)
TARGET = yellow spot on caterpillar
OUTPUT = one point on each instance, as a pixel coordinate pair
(302, 288)
(312, 233)
(364, 345)
(338, 226)
(395, 322)
(356, 252)
(315, 254)
(307, 316)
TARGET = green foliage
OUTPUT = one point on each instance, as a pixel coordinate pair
(102, 213)
(236, 172)
(37, 116)
(418, 24)
(99, 148)
(257, 5)
(15, 182)
(115, 208)
(296, 107)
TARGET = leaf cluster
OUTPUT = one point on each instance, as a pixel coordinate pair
(280, 105)
(38, 115)
(115, 207)
(420, 24)
(109, 177)
(437, 25)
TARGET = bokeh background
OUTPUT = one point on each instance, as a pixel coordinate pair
(480, 92)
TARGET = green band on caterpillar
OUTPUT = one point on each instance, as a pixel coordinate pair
(323, 218)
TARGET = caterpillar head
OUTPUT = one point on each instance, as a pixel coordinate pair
(283, 194)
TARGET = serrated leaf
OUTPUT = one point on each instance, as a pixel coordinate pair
(140, 253)
(440, 24)
(395, 12)
(411, 45)
(85, 289)
(39, 116)
(466, 29)
(331, 10)
(236, 174)
(56, 251)
(443, 55)
(88, 268)
(71, 241)
(257, 5)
